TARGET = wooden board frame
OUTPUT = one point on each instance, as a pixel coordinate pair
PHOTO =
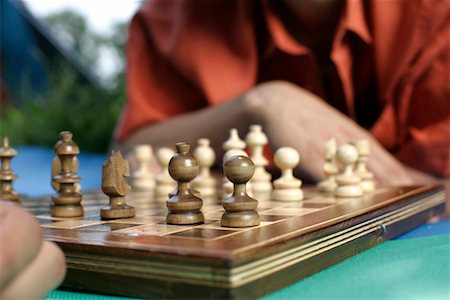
(244, 263)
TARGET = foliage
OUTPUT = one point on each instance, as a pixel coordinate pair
(90, 112)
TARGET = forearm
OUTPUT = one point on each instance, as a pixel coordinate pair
(213, 123)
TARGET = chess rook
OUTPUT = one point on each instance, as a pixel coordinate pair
(204, 183)
(367, 178)
(7, 176)
(114, 185)
(184, 207)
(330, 168)
(143, 179)
(240, 208)
(287, 187)
(256, 140)
(67, 202)
(348, 183)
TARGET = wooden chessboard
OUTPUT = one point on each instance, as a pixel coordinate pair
(144, 257)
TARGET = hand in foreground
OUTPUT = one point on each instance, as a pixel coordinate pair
(29, 266)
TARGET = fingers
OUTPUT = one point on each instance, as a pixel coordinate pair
(20, 241)
(42, 275)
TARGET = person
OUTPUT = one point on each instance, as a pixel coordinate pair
(29, 266)
(306, 70)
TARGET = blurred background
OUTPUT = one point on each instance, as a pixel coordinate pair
(62, 68)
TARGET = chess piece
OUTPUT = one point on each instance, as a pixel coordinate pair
(330, 168)
(348, 183)
(164, 183)
(184, 207)
(7, 176)
(367, 181)
(114, 185)
(205, 156)
(227, 185)
(234, 141)
(56, 169)
(287, 187)
(240, 208)
(67, 202)
(143, 179)
(256, 140)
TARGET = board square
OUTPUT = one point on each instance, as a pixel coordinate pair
(201, 233)
(107, 226)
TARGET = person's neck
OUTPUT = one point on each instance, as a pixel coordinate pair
(311, 22)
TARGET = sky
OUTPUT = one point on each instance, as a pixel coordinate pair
(100, 15)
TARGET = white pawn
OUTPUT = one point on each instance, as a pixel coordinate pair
(287, 187)
(367, 181)
(256, 140)
(234, 141)
(348, 183)
(330, 168)
(164, 182)
(227, 185)
(205, 156)
(143, 179)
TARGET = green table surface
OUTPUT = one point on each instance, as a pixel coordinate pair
(416, 268)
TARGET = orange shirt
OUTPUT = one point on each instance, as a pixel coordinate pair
(388, 68)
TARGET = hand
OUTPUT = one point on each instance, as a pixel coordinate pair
(294, 117)
(29, 266)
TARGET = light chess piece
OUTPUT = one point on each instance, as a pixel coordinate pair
(114, 185)
(67, 202)
(204, 183)
(287, 187)
(164, 182)
(256, 140)
(240, 208)
(348, 183)
(184, 207)
(7, 175)
(234, 141)
(330, 168)
(367, 178)
(143, 179)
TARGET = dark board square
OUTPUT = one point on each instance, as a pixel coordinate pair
(315, 205)
(107, 226)
(203, 233)
(272, 218)
(45, 221)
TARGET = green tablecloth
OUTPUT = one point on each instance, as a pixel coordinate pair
(416, 268)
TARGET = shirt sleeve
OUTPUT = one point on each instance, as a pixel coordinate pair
(186, 55)
(424, 107)
(156, 89)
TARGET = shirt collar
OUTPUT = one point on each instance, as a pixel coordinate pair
(353, 20)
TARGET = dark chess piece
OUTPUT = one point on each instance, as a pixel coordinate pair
(184, 207)
(7, 176)
(240, 208)
(67, 203)
(116, 187)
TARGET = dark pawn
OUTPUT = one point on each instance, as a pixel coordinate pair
(114, 185)
(7, 176)
(67, 203)
(240, 208)
(184, 207)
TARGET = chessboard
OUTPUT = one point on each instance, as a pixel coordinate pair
(145, 257)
